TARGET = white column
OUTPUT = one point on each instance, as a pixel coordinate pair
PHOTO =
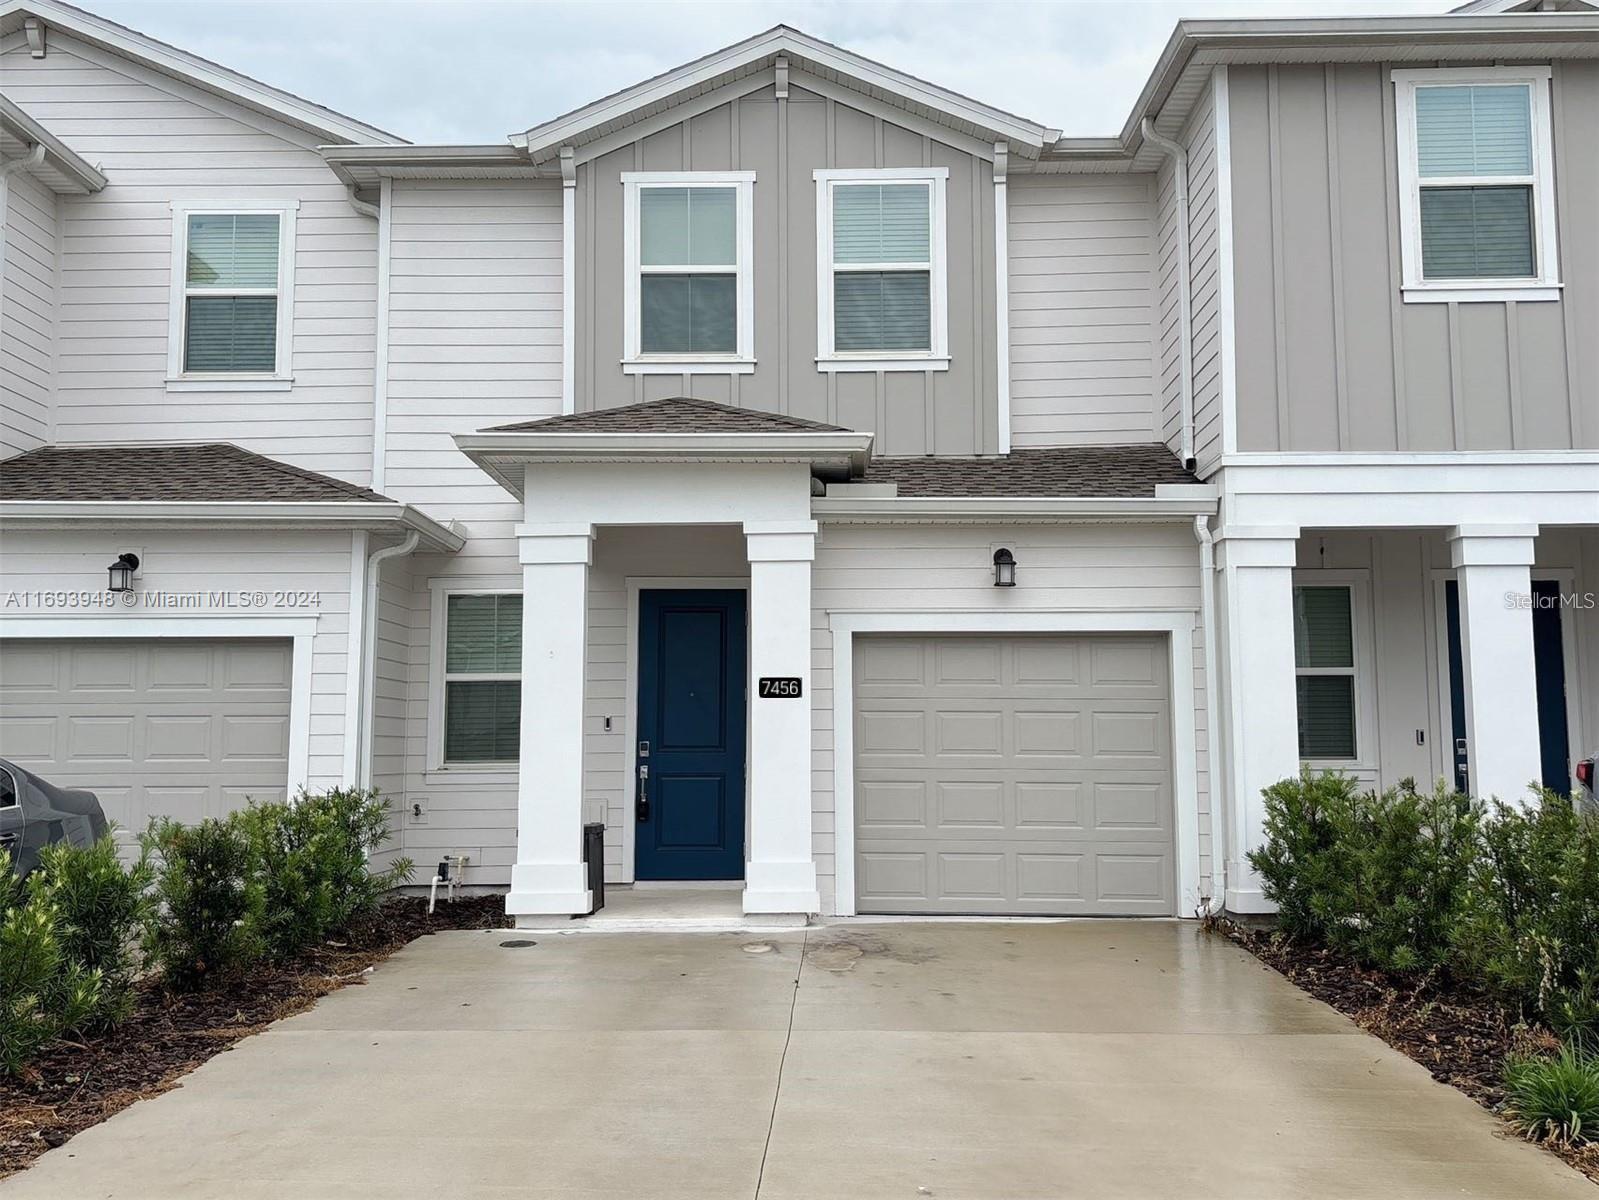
(548, 876)
(1493, 570)
(779, 868)
(1261, 722)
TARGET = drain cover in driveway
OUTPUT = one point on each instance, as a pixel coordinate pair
(517, 943)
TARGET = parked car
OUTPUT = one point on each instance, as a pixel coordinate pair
(34, 813)
(1585, 782)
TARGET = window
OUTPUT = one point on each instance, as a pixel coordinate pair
(482, 678)
(1475, 163)
(1324, 669)
(880, 270)
(232, 295)
(689, 298)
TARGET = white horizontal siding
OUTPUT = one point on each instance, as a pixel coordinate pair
(27, 314)
(159, 140)
(1081, 272)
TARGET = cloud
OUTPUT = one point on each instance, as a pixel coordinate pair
(477, 70)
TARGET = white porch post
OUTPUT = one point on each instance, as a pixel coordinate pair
(780, 868)
(1493, 570)
(548, 876)
(1261, 730)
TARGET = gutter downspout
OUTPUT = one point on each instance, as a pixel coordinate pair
(1185, 286)
(1207, 622)
(27, 162)
(367, 663)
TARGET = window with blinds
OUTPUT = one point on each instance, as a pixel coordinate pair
(230, 293)
(1324, 668)
(688, 263)
(482, 678)
(1475, 160)
(882, 267)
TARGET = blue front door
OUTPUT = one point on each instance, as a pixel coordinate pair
(689, 760)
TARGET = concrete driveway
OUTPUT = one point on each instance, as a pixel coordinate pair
(1089, 1059)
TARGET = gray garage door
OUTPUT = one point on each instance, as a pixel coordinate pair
(1013, 775)
(169, 728)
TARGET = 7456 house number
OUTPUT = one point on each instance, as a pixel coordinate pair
(779, 687)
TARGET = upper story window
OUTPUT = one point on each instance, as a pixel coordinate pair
(1477, 179)
(232, 295)
(689, 301)
(882, 295)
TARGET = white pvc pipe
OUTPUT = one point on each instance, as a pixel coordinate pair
(1207, 622)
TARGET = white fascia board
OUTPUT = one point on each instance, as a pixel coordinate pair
(970, 509)
(202, 73)
(879, 80)
(335, 514)
(58, 154)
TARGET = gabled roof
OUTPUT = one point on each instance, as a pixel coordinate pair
(274, 102)
(218, 471)
(48, 159)
(803, 52)
(1519, 6)
(680, 414)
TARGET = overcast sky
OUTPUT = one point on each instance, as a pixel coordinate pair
(476, 70)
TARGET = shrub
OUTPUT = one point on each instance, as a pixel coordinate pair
(208, 913)
(43, 994)
(102, 905)
(1554, 1098)
(312, 859)
(1529, 927)
(1381, 876)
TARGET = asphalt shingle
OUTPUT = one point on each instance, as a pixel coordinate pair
(1115, 471)
(213, 472)
(677, 415)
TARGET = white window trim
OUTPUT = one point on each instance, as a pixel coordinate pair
(281, 378)
(935, 359)
(438, 624)
(1364, 669)
(742, 360)
(1546, 251)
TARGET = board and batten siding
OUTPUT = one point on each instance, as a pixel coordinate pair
(202, 562)
(27, 314)
(928, 568)
(783, 142)
(1081, 258)
(1329, 355)
(160, 140)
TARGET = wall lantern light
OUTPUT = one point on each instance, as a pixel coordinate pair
(1004, 568)
(122, 572)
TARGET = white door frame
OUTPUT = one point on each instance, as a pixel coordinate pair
(1179, 630)
(635, 584)
(100, 626)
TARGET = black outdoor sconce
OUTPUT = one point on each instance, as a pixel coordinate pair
(122, 572)
(1004, 568)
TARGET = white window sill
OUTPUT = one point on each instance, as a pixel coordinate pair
(472, 772)
(1433, 293)
(912, 362)
(229, 383)
(688, 366)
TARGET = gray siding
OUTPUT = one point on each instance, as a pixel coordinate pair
(27, 315)
(1329, 356)
(1204, 235)
(945, 412)
(1081, 272)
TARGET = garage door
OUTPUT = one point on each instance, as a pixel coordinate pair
(156, 728)
(1018, 775)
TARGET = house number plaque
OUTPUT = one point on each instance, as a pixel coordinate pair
(780, 687)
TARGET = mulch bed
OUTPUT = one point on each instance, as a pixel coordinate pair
(75, 1086)
(1459, 1035)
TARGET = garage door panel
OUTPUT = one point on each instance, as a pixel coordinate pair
(253, 738)
(254, 668)
(1013, 775)
(181, 669)
(99, 741)
(30, 740)
(95, 668)
(174, 738)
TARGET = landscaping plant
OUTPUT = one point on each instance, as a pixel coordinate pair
(1556, 1097)
(43, 993)
(208, 913)
(312, 858)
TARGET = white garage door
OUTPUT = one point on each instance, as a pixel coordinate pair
(186, 729)
(1013, 775)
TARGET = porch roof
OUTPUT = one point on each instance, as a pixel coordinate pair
(1119, 471)
(678, 414)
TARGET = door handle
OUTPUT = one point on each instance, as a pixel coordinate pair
(641, 805)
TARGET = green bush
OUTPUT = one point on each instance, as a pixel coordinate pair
(1381, 876)
(1530, 926)
(102, 907)
(312, 860)
(43, 994)
(1554, 1098)
(208, 914)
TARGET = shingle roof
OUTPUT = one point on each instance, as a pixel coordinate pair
(214, 472)
(1132, 471)
(677, 415)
